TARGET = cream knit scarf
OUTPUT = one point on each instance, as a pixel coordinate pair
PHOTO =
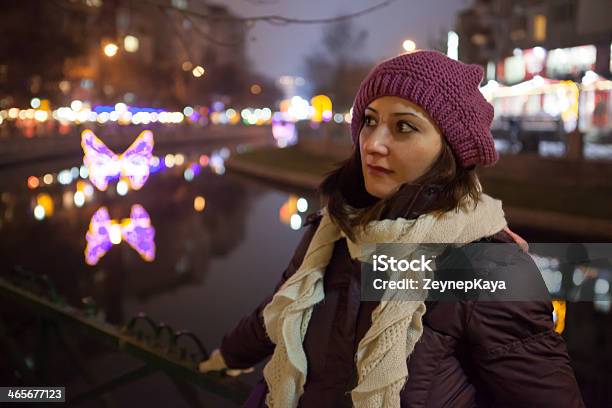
(396, 325)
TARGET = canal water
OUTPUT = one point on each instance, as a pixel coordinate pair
(221, 244)
(197, 247)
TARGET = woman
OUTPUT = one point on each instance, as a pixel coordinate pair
(420, 127)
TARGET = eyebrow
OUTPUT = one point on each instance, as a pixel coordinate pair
(415, 114)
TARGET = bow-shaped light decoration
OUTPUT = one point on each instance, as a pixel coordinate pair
(103, 233)
(104, 165)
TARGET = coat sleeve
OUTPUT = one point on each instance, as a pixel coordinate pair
(515, 352)
(248, 343)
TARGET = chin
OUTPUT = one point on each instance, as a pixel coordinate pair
(377, 191)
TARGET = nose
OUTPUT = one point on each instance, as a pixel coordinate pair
(377, 142)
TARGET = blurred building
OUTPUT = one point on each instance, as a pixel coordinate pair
(179, 53)
(557, 39)
(164, 56)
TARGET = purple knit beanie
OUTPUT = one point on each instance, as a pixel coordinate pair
(446, 89)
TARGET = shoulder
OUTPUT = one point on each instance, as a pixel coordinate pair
(309, 227)
(523, 307)
(500, 250)
(495, 260)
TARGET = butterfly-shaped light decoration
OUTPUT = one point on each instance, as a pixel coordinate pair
(105, 166)
(104, 232)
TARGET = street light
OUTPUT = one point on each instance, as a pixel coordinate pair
(452, 45)
(131, 43)
(198, 71)
(409, 45)
(110, 50)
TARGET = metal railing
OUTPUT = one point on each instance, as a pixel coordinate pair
(157, 345)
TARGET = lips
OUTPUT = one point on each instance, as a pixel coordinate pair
(378, 170)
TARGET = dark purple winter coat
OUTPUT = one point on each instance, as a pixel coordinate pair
(471, 354)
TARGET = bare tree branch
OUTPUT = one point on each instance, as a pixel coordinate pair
(249, 22)
(209, 37)
(178, 32)
(274, 19)
(261, 2)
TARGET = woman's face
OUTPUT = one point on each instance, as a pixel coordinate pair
(398, 144)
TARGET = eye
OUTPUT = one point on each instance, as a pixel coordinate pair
(405, 127)
(369, 121)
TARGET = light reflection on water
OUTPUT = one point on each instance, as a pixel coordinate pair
(198, 223)
(105, 232)
(220, 248)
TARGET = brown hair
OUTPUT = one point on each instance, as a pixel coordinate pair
(350, 206)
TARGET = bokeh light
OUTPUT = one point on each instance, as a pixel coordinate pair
(111, 49)
(79, 198)
(295, 222)
(409, 45)
(131, 43)
(255, 89)
(122, 188)
(33, 182)
(199, 203)
(302, 204)
(198, 71)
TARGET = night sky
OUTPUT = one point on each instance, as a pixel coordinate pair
(280, 50)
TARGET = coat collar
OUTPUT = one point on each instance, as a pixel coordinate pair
(414, 200)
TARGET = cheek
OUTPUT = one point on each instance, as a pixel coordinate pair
(416, 155)
(360, 141)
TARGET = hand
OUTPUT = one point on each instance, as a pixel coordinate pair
(518, 239)
(216, 363)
